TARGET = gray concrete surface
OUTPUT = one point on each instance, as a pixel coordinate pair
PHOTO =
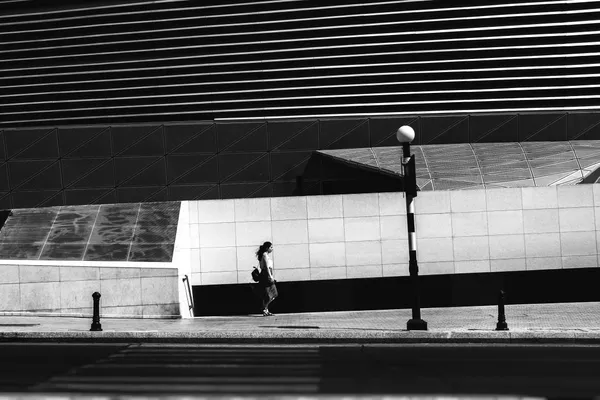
(533, 323)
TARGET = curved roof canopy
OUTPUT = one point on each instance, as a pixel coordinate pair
(485, 165)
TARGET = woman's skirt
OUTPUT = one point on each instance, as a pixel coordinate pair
(271, 292)
(267, 292)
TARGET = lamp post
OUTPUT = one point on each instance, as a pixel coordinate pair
(405, 135)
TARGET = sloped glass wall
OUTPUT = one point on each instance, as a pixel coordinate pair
(461, 166)
(111, 232)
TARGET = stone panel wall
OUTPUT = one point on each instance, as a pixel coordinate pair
(364, 235)
(127, 292)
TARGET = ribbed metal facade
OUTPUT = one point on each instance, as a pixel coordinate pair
(192, 60)
(121, 101)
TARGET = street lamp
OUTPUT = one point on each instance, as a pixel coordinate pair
(405, 135)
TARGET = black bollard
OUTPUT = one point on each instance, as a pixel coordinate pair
(96, 318)
(501, 325)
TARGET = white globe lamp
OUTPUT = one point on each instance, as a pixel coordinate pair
(405, 134)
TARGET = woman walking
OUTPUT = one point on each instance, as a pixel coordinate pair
(266, 284)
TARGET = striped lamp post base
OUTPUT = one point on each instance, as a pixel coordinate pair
(416, 323)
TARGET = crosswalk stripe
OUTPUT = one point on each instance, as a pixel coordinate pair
(200, 388)
(201, 366)
(194, 379)
(218, 370)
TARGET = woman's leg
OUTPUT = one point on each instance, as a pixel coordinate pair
(271, 296)
(265, 302)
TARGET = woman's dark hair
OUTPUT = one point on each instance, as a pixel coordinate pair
(263, 247)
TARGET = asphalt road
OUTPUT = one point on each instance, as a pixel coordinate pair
(167, 369)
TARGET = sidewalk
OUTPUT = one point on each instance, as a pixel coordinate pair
(532, 323)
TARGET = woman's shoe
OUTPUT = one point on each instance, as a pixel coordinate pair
(269, 313)
(266, 313)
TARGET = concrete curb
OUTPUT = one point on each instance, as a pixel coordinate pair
(309, 337)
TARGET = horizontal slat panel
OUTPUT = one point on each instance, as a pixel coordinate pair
(167, 61)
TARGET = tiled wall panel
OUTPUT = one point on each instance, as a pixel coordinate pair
(338, 237)
(166, 162)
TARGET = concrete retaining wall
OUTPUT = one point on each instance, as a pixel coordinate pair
(133, 292)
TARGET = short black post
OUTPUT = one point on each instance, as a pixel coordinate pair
(501, 325)
(96, 318)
